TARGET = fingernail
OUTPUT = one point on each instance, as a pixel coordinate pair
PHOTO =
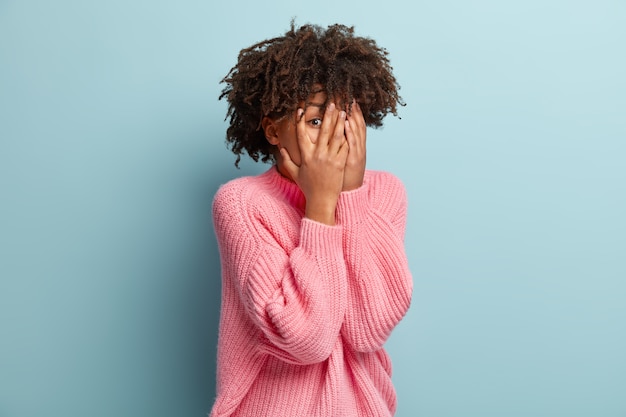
(331, 107)
(342, 114)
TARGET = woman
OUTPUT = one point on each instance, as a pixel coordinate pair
(314, 271)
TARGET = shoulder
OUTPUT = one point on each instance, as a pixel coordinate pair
(234, 204)
(386, 191)
(383, 179)
(383, 183)
(231, 195)
(258, 213)
(256, 204)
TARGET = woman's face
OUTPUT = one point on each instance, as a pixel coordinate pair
(282, 132)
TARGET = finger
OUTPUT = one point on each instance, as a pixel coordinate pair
(350, 134)
(358, 114)
(304, 142)
(357, 120)
(338, 137)
(355, 138)
(328, 125)
(343, 151)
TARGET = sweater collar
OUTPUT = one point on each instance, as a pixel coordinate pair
(284, 187)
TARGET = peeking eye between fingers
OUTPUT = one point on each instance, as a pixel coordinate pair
(315, 122)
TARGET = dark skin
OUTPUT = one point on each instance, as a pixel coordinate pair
(323, 157)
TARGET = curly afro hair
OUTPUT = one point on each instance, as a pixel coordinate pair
(272, 77)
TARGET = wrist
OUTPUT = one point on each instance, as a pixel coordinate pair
(321, 210)
(353, 179)
(353, 206)
(352, 185)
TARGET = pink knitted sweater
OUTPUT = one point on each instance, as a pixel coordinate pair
(307, 307)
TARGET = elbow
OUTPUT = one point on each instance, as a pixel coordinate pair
(316, 346)
(317, 355)
(363, 339)
(368, 346)
(306, 342)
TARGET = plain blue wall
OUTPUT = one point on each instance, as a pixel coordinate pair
(512, 147)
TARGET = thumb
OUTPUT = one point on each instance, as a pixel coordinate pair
(291, 168)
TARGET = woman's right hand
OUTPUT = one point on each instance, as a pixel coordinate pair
(322, 164)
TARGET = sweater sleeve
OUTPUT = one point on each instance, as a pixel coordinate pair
(296, 298)
(379, 281)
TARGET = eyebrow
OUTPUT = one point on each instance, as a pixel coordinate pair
(310, 103)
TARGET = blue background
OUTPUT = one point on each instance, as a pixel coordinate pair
(512, 147)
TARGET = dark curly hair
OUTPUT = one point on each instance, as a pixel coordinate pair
(273, 76)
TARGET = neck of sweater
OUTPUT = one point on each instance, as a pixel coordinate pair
(284, 187)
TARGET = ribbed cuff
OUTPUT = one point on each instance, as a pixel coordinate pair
(320, 239)
(353, 205)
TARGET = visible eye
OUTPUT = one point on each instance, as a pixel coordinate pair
(315, 122)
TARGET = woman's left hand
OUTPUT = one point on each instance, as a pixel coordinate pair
(355, 129)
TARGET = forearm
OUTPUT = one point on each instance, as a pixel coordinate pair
(290, 278)
(321, 209)
(380, 288)
(299, 300)
(379, 280)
